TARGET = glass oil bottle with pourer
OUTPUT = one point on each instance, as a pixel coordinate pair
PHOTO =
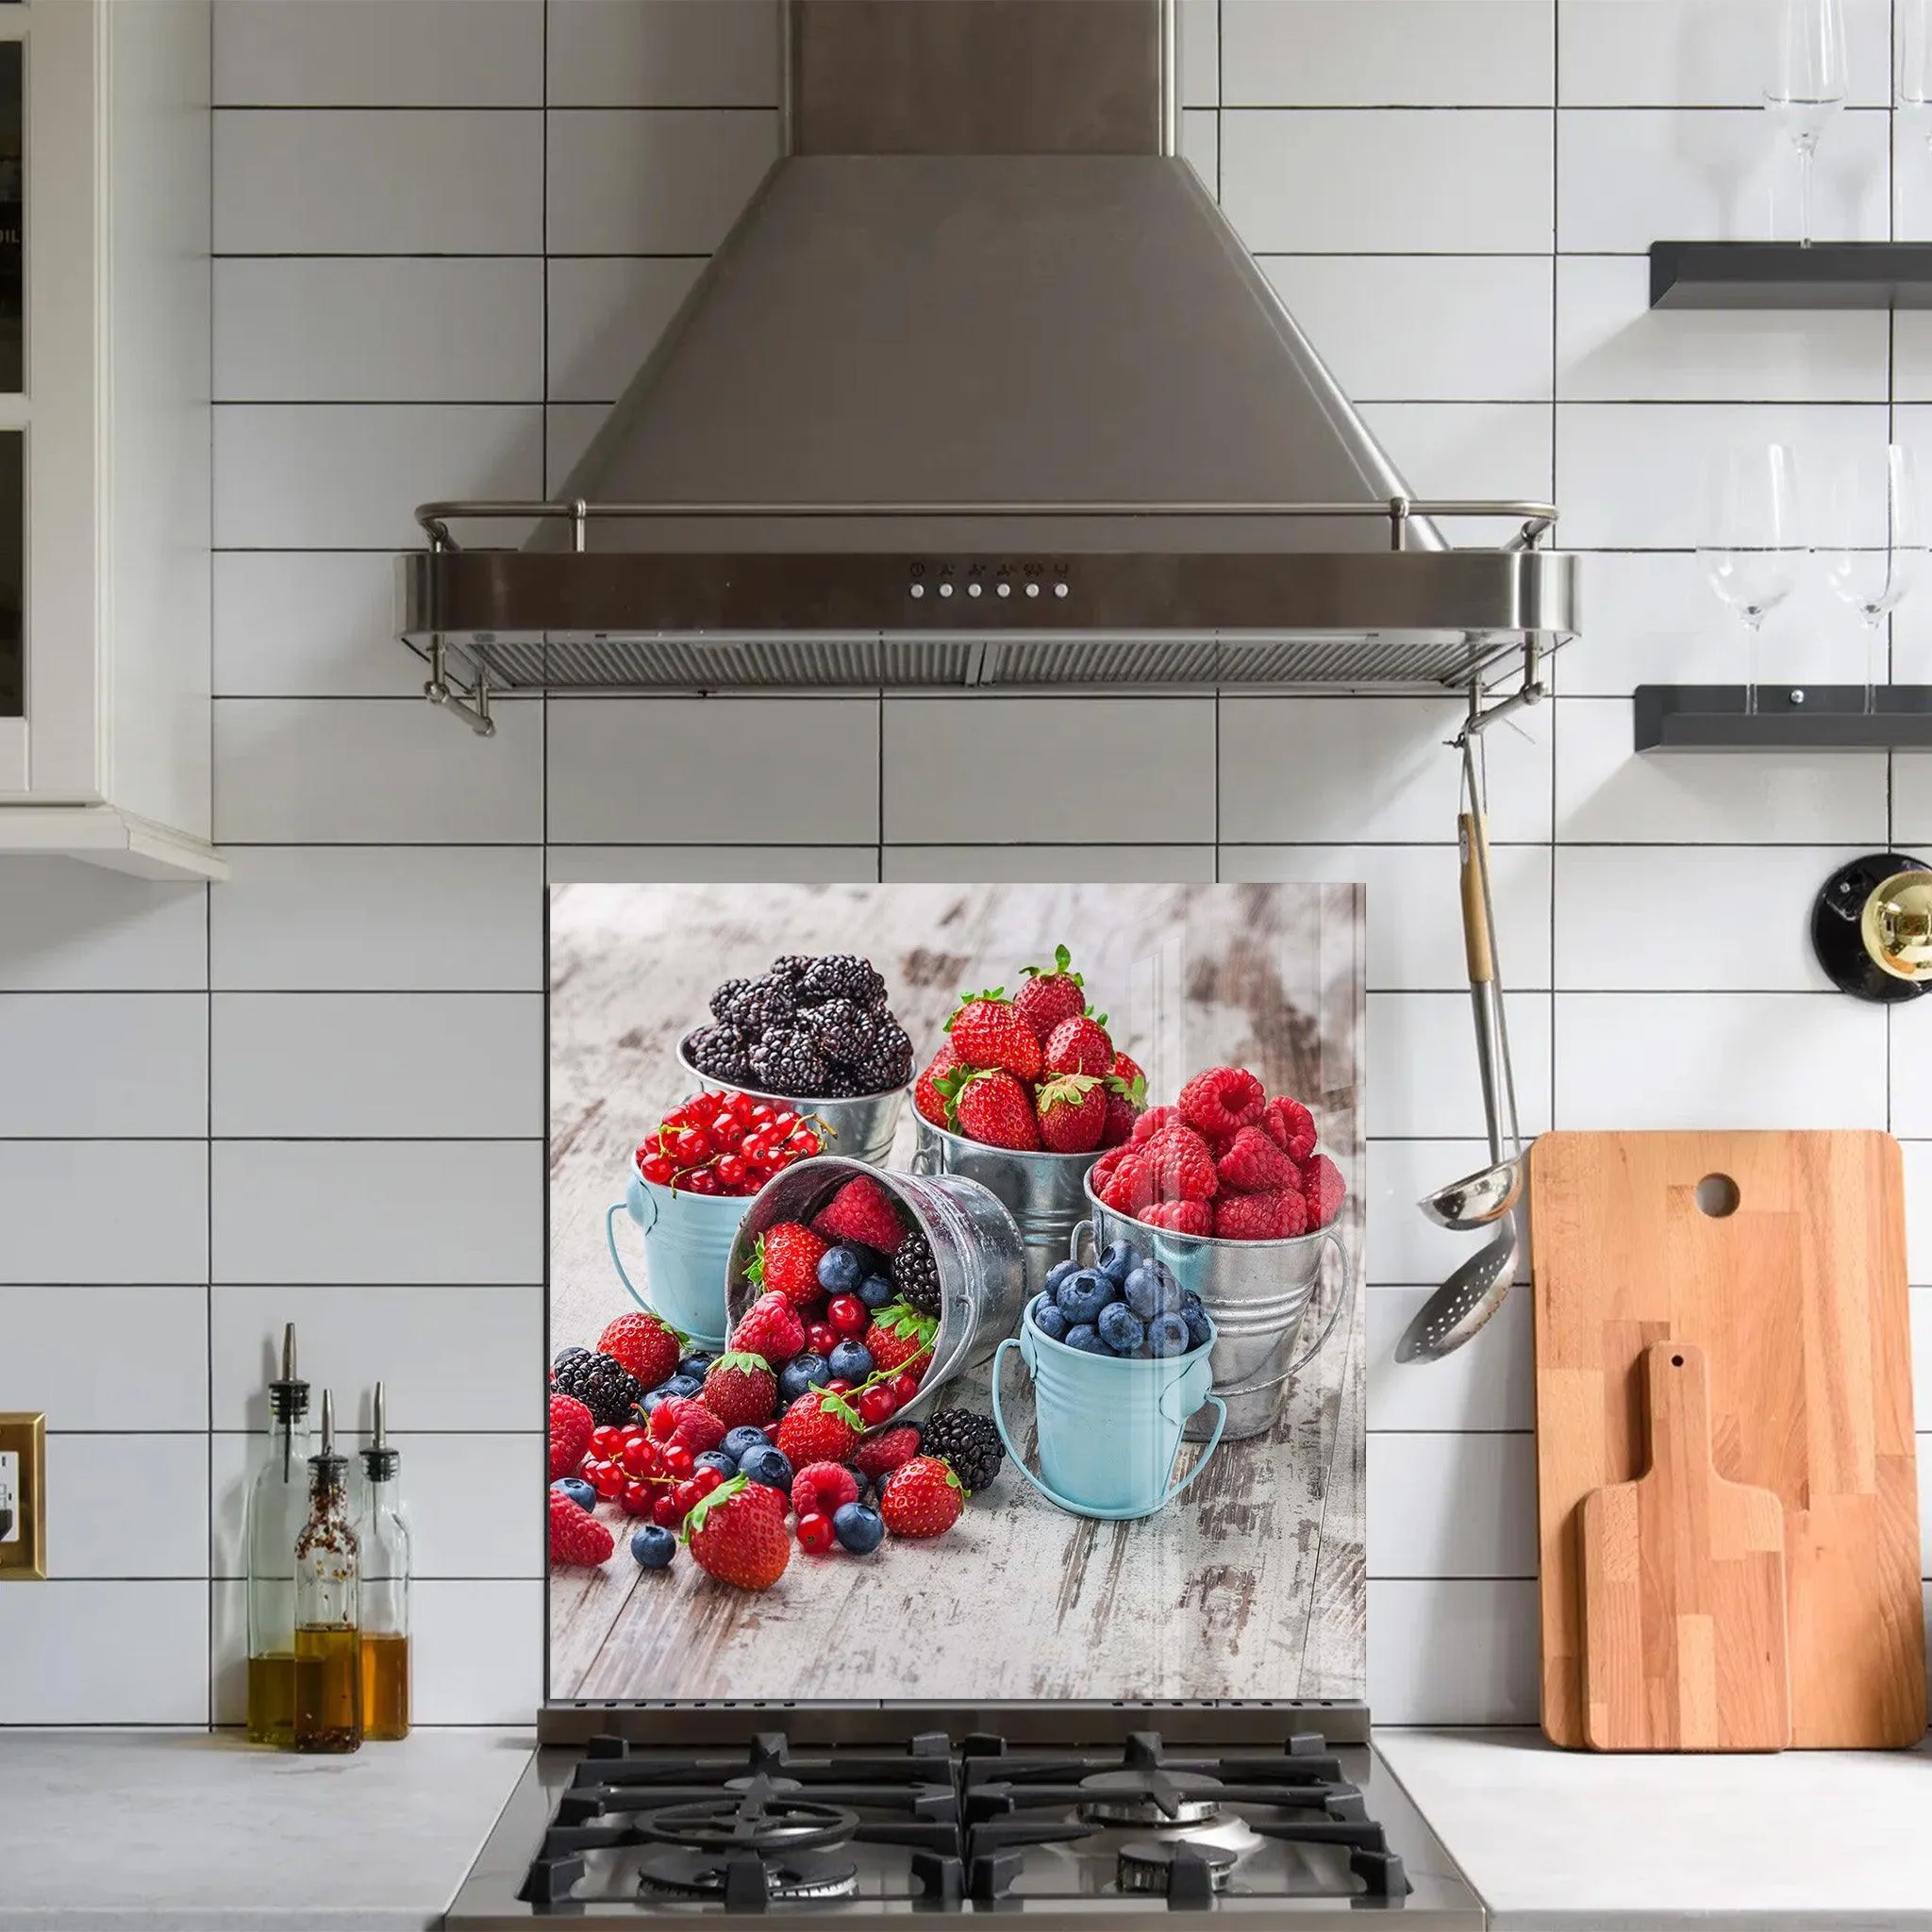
(383, 1531)
(328, 1647)
(278, 1508)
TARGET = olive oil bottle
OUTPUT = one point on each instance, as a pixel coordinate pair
(278, 1508)
(328, 1645)
(383, 1530)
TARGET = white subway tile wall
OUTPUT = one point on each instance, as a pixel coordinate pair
(315, 1094)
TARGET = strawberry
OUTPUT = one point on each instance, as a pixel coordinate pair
(819, 1427)
(737, 1534)
(647, 1347)
(1130, 1080)
(683, 1420)
(1052, 993)
(1253, 1164)
(1078, 1046)
(1222, 1099)
(1117, 1129)
(1290, 1127)
(1180, 1217)
(820, 1489)
(922, 1498)
(787, 1262)
(1154, 1119)
(741, 1389)
(571, 1424)
(1072, 1112)
(861, 1210)
(987, 1032)
(1182, 1166)
(899, 1335)
(771, 1327)
(879, 1455)
(995, 1109)
(575, 1535)
(926, 1097)
(1257, 1217)
(1323, 1190)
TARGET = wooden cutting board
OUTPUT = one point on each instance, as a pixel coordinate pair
(1683, 1590)
(1798, 1297)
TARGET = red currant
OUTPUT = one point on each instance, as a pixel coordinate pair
(637, 1499)
(848, 1314)
(703, 1181)
(665, 1512)
(732, 1171)
(762, 1116)
(639, 1457)
(685, 1495)
(877, 1403)
(803, 1142)
(904, 1386)
(657, 1168)
(605, 1478)
(706, 1479)
(814, 1532)
(693, 1145)
(676, 1458)
(604, 1441)
(740, 1107)
(820, 1338)
(838, 1386)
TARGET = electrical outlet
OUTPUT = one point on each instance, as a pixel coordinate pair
(22, 1497)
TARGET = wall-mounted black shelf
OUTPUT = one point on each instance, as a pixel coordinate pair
(1785, 274)
(1790, 717)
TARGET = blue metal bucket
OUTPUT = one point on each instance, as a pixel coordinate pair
(687, 1254)
(1110, 1427)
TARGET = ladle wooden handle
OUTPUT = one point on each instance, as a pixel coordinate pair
(1472, 837)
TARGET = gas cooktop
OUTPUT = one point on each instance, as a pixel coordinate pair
(785, 1832)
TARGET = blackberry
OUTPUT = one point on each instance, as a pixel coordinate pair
(760, 1006)
(970, 1442)
(842, 1031)
(788, 969)
(786, 1062)
(600, 1382)
(720, 1051)
(887, 1061)
(916, 1275)
(726, 994)
(840, 976)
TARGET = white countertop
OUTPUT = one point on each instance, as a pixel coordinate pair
(1554, 1840)
(176, 1831)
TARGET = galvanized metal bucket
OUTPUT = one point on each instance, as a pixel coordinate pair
(861, 1128)
(981, 1263)
(1045, 1194)
(686, 1240)
(1256, 1294)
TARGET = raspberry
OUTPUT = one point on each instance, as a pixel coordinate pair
(1252, 1217)
(1180, 1217)
(646, 1346)
(1130, 1185)
(1222, 1099)
(679, 1419)
(575, 1535)
(1255, 1165)
(1290, 1127)
(1181, 1165)
(1154, 1120)
(772, 1327)
(1105, 1168)
(861, 1211)
(823, 1489)
(881, 1453)
(1323, 1190)
(571, 1424)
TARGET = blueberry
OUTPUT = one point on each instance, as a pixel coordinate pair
(857, 1528)
(1086, 1338)
(652, 1547)
(770, 1466)
(697, 1362)
(800, 1373)
(876, 1291)
(1118, 1262)
(1059, 1272)
(740, 1443)
(1081, 1296)
(682, 1384)
(1049, 1321)
(1121, 1328)
(851, 1361)
(842, 1269)
(1199, 1333)
(1151, 1289)
(577, 1489)
(1168, 1335)
(651, 1398)
(725, 1465)
(1189, 1301)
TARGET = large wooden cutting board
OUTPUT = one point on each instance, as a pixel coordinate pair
(1683, 1588)
(1798, 1298)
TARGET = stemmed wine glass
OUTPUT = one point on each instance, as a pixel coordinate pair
(1750, 559)
(1808, 84)
(1875, 578)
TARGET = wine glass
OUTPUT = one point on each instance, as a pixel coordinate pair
(1808, 85)
(1750, 558)
(1875, 578)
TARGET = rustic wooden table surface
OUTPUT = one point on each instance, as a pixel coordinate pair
(1253, 1583)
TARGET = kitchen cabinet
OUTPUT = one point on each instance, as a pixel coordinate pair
(104, 433)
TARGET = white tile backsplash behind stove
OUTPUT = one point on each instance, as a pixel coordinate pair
(315, 1093)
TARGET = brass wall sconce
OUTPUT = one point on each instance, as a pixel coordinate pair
(1872, 927)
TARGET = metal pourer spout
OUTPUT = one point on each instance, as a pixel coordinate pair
(327, 1465)
(288, 1399)
(380, 1463)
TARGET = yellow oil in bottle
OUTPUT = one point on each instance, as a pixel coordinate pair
(385, 1685)
(271, 1698)
(328, 1687)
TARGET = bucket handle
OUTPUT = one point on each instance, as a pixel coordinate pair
(1308, 1355)
(1062, 1502)
(617, 1259)
(1082, 1233)
(922, 1162)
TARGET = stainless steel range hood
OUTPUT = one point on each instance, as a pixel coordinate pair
(981, 390)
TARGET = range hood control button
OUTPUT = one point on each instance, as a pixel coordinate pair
(919, 589)
(1060, 590)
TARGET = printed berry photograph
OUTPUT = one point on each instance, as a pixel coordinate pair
(956, 1291)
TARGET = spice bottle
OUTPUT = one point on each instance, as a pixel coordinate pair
(383, 1530)
(278, 1508)
(328, 1656)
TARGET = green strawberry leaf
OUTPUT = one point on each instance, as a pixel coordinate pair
(1134, 1090)
(705, 1505)
(756, 1272)
(903, 1320)
(1065, 1089)
(1062, 961)
(743, 1361)
(835, 1404)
